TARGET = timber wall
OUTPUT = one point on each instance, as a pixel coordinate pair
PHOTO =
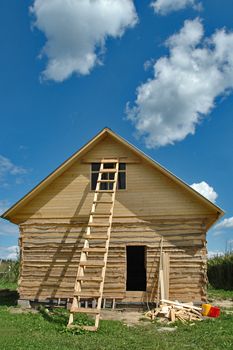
(148, 192)
(50, 254)
(153, 205)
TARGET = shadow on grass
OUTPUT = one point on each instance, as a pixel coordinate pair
(55, 316)
(59, 318)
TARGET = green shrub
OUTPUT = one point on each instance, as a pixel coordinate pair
(220, 271)
(10, 271)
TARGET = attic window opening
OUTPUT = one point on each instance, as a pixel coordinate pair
(121, 183)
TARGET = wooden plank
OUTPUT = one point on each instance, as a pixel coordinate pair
(94, 250)
(95, 224)
(104, 191)
(95, 237)
(159, 272)
(87, 294)
(92, 263)
(122, 159)
(100, 213)
(103, 202)
(89, 278)
(106, 181)
(103, 171)
(166, 275)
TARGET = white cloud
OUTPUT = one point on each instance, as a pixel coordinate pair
(206, 190)
(165, 6)
(10, 253)
(226, 223)
(8, 168)
(76, 32)
(185, 84)
(8, 229)
(3, 206)
(213, 253)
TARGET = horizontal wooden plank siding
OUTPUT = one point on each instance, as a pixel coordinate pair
(148, 192)
(50, 255)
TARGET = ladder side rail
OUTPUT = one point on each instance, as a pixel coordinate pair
(83, 255)
(93, 207)
(107, 245)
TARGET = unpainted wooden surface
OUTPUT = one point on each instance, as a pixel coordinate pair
(51, 252)
(148, 193)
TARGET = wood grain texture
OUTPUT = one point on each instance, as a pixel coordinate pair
(149, 192)
(51, 254)
(53, 226)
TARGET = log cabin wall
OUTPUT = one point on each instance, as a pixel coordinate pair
(50, 256)
(153, 205)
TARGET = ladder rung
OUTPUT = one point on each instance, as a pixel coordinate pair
(94, 250)
(92, 263)
(93, 224)
(95, 237)
(103, 202)
(89, 279)
(108, 171)
(100, 214)
(87, 295)
(84, 310)
(106, 181)
(109, 160)
(104, 191)
(86, 328)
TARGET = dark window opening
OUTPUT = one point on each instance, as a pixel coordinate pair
(136, 268)
(121, 184)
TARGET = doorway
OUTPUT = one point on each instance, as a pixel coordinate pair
(136, 268)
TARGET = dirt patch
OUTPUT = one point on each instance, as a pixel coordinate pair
(226, 304)
(19, 310)
(167, 329)
(131, 318)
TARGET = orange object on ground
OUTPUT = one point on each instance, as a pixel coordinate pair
(206, 309)
(214, 311)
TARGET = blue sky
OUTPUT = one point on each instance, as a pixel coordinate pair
(159, 73)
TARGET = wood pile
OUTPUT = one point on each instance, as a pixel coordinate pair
(174, 311)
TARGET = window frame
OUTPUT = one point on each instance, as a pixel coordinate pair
(97, 171)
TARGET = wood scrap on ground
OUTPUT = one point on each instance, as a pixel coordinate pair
(174, 311)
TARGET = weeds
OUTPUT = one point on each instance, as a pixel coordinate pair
(220, 271)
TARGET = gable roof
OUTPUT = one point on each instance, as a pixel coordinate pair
(100, 136)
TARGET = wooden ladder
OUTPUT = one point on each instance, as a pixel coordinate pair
(92, 271)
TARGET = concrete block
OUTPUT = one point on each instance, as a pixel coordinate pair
(25, 304)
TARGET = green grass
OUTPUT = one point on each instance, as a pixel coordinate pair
(47, 331)
(8, 285)
(219, 293)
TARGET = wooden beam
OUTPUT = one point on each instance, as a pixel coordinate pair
(121, 160)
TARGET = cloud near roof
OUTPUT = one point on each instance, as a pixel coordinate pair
(185, 84)
(206, 190)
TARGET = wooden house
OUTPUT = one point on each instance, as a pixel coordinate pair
(153, 209)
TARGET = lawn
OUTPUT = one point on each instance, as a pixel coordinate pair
(220, 294)
(47, 330)
(8, 285)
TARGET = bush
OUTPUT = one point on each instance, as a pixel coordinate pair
(220, 271)
(10, 271)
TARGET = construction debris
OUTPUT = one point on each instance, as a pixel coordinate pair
(174, 311)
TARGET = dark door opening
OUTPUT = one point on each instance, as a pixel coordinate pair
(136, 270)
